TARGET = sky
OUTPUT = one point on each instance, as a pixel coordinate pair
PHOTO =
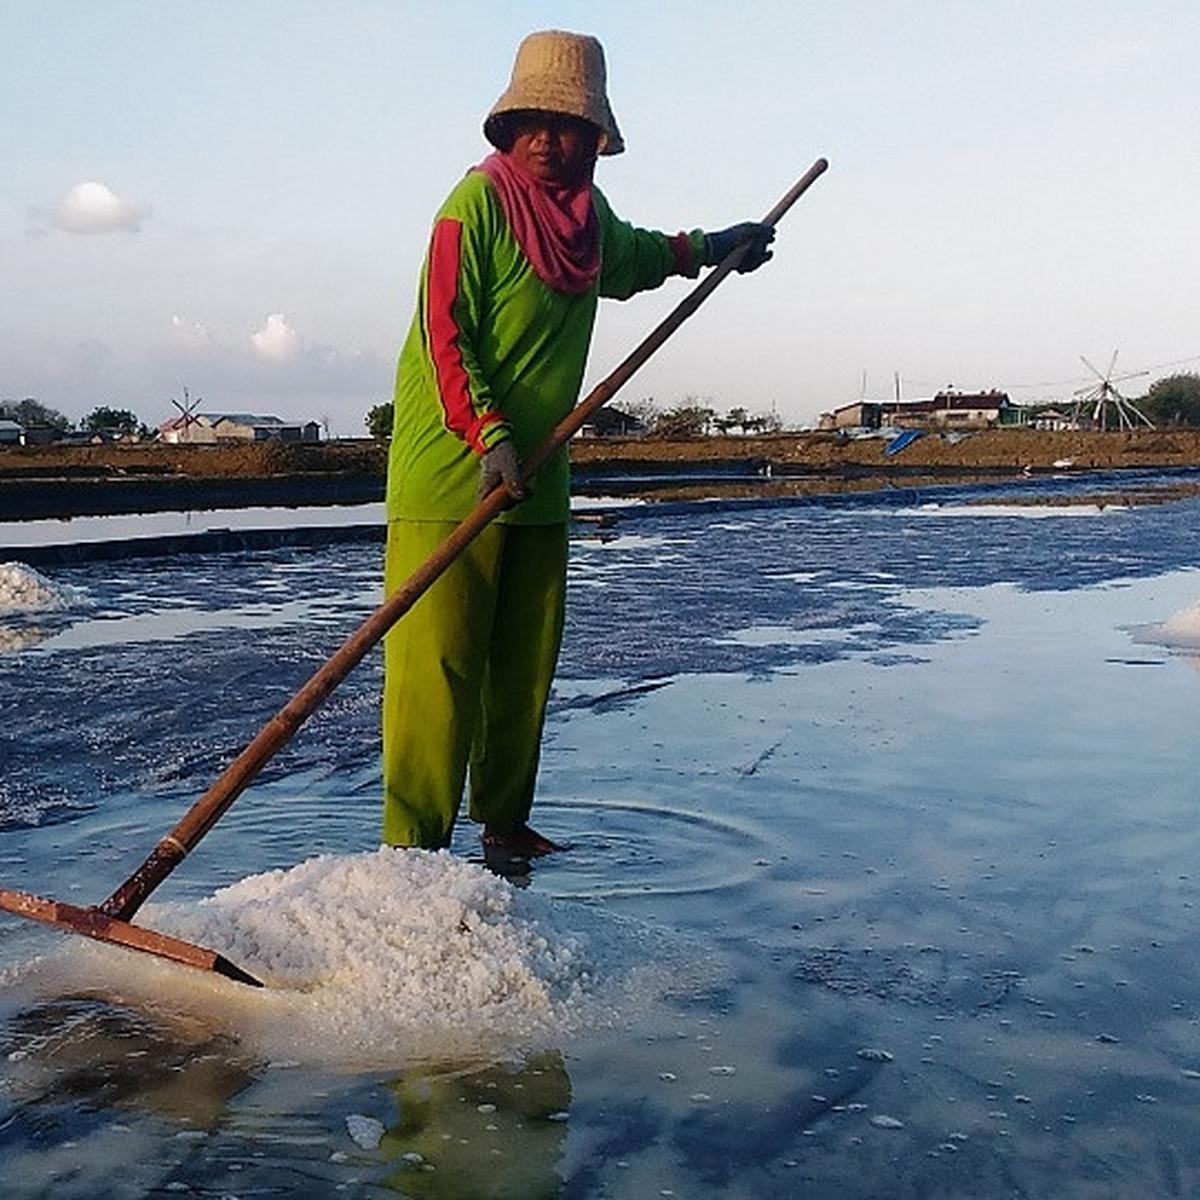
(235, 197)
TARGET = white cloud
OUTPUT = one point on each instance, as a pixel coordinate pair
(277, 340)
(93, 207)
(192, 335)
(217, 362)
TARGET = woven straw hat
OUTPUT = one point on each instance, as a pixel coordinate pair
(561, 73)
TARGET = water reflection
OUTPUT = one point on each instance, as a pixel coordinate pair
(90, 1053)
(90, 1079)
(495, 1134)
(16, 637)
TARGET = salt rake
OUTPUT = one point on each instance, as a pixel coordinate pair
(111, 921)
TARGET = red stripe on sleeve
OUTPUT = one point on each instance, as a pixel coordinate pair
(480, 426)
(454, 385)
(681, 248)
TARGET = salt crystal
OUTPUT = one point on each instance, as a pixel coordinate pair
(24, 590)
(365, 1132)
(883, 1121)
(871, 1054)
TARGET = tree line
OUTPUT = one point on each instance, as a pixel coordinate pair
(1173, 402)
(103, 420)
(642, 418)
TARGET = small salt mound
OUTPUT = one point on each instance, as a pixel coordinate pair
(365, 1131)
(1179, 632)
(24, 590)
(406, 954)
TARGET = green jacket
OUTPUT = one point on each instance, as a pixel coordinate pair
(494, 353)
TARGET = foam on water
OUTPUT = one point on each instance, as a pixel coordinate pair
(24, 590)
(383, 957)
(1029, 511)
(632, 541)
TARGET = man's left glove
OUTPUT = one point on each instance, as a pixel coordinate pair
(718, 245)
(501, 466)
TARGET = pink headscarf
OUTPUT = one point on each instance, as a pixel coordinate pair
(556, 227)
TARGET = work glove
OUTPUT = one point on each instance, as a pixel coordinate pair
(500, 466)
(718, 245)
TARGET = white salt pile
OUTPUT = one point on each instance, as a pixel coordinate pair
(391, 956)
(1178, 632)
(24, 590)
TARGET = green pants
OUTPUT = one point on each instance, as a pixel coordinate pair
(467, 672)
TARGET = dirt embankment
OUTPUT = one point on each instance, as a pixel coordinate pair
(987, 451)
(68, 481)
(56, 481)
(254, 460)
(994, 449)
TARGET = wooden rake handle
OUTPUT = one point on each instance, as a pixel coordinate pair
(280, 729)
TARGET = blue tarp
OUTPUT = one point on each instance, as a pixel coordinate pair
(901, 440)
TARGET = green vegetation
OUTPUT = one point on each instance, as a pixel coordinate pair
(686, 420)
(113, 422)
(693, 419)
(379, 421)
(1173, 402)
(30, 413)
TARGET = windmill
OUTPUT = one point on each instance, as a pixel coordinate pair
(187, 411)
(1103, 396)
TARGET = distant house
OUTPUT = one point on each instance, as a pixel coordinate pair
(1052, 418)
(211, 428)
(612, 422)
(862, 414)
(10, 432)
(41, 435)
(945, 410)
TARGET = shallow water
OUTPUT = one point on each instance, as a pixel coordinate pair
(882, 880)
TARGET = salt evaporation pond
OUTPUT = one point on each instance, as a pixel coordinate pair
(883, 879)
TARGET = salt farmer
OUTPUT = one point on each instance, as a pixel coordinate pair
(520, 253)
